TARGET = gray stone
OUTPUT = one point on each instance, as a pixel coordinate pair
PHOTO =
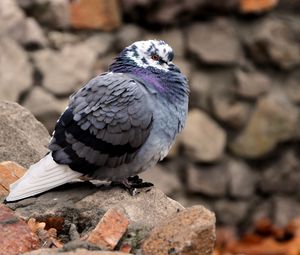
(15, 70)
(174, 37)
(200, 86)
(100, 43)
(292, 86)
(184, 65)
(243, 180)
(60, 39)
(102, 63)
(15, 25)
(45, 107)
(128, 34)
(210, 180)
(191, 231)
(84, 204)
(271, 41)
(203, 139)
(67, 70)
(268, 125)
(52, 13)
(163, 179)
(283, 176)
(12, 20)
(230, 111)
(285, 209)
(215, 42)
(252, 84)
(23, 139)
(231, 212)
(33, 34)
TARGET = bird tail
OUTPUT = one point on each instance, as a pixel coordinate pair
(40, 177)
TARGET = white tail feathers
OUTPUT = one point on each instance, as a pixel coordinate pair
(40, 177)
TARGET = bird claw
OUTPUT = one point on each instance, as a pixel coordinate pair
(132, 184)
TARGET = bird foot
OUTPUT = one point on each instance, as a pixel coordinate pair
(132, 184)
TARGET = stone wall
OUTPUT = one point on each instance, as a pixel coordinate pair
(238, 154)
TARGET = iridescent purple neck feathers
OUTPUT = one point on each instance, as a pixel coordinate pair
(171, 84)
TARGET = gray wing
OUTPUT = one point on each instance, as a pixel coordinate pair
(106, 123)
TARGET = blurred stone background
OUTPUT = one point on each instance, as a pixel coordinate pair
(239, 152)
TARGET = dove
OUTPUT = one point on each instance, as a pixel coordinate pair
(119, 124)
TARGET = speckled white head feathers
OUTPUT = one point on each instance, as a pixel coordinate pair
(157, 54)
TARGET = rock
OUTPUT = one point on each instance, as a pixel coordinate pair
(9, 173)
(45, 107)
(174, 37)
(230, 111)
(209, 180)
(60, 39)
(102, 63)
(272, 42)
(283, 176)
(203, 139)
(12, 20)
(128, 34)
(64, 72)
(171, 12)
(268, 125)
(33, 34)
(24, 140)
(191, 231)
(100, 43)
(242, 181)
(285, 209)
(109, 230)
(254, 6)
(252, 84)
(16, 73)
(231, 212)
(204, 40)
(50, 13)
(184, 65)
(163, 179)
(15, 235)
(15, 25)
(95, 14)
(291, 86)
(83, 204)
(263, 210)
(74, 252)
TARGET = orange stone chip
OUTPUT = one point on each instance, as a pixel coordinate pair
(9, 173)
(256, 6)
(109, 230)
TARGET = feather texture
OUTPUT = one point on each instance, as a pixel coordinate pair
(42, 176)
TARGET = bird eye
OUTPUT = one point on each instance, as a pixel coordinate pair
(155, 57)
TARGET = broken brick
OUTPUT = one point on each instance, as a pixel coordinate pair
(109, 230)
(95, 14)
(15, 236)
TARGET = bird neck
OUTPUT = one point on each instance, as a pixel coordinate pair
(171, 85)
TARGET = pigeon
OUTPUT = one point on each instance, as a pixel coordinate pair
(119, 124)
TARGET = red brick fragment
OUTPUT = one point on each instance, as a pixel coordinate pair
(15, 235)
(95, 14)
(109, 230)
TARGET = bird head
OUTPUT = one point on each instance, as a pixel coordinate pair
(155, 54)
